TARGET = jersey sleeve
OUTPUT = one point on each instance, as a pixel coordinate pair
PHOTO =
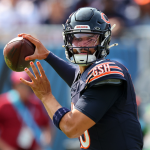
(104, 71)
(96, 101)
(64, 69)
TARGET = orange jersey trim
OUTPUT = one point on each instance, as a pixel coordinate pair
(115, 67)
(104, 74)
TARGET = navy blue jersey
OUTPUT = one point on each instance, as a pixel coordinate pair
(111, 106)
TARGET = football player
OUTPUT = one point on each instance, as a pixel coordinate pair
(104, 110)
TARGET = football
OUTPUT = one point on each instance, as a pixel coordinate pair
(15, 52)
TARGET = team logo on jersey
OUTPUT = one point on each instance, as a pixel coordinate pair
(103, 69)
(82, 27)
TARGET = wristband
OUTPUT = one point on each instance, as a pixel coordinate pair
(58, 115)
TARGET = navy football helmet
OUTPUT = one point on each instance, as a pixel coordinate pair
(93, 23)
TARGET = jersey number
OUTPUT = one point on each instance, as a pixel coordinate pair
(86, 142)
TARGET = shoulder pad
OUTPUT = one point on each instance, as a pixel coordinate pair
(104, 70)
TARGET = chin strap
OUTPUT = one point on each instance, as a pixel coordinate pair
(105, 52)
(108, 35)
(113, 27)
(115, 44)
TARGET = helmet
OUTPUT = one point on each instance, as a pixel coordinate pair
(93, 23)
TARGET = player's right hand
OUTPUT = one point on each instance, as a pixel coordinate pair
(40, 51)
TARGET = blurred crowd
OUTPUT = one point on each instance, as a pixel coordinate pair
(132, 18)
(31, 12)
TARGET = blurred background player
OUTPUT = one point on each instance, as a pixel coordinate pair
(20, 112)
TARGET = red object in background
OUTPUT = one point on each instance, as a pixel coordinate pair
(138, 100)
(142, 2)
(11, 123)
(15, 77)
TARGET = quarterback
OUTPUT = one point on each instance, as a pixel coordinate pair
(103, 111)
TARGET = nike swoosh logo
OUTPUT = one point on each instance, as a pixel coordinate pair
(98, 61)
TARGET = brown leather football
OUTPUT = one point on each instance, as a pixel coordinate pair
(15, 52)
